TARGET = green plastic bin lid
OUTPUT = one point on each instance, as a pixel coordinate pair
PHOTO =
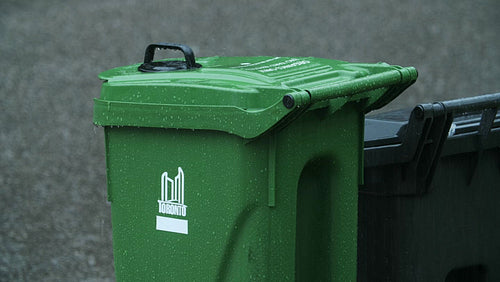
(245, 96)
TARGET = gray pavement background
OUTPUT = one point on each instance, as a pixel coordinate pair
(54, 218)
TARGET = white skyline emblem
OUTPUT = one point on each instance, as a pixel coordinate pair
(171, 202)
(176, 188)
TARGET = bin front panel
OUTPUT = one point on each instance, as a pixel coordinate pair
(221, 187)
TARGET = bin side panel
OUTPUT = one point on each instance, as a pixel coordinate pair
(314, 232)
(187, 205)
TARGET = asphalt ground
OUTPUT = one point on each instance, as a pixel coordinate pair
(54, 219)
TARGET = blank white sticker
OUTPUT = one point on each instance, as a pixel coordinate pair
(171, 224)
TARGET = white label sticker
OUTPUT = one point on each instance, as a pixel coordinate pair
(172, 203)
(171, 224)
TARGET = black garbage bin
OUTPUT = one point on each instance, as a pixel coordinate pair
(429, 209)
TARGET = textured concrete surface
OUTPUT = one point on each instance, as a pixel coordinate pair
(54, 219)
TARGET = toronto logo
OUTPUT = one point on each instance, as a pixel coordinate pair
(172, 194)
(171, 202)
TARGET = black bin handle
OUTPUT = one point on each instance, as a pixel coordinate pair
(186, 50)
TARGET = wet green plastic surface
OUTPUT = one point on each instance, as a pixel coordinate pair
(270, 193)
(242, 95)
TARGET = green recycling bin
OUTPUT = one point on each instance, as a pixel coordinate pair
(238, 168)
